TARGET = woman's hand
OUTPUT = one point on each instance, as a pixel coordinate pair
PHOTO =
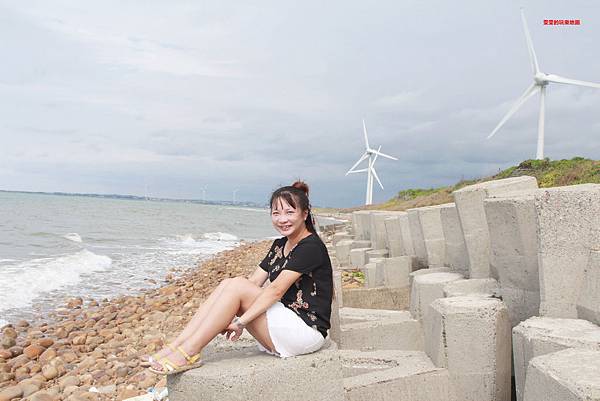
(234, 330)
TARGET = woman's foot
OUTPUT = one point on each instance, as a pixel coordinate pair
(176, 362)
(165, 351)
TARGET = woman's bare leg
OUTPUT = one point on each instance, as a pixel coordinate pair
(196, 319)
(235, 298)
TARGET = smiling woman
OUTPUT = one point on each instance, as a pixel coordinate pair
(285, 304)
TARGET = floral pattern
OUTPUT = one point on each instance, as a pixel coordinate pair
(299, 303)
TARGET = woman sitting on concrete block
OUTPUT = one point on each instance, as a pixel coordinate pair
(288, 316)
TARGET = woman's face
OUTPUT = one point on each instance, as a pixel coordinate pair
(286, 219)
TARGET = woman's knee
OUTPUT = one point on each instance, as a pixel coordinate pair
(239, 284)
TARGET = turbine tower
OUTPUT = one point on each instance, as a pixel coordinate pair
(371, 154)
(540, 81)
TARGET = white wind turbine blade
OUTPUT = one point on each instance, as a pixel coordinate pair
(366, 138)
(532, 58)
(376, 152)
(363, 170)
(563, 80)
(376, 177)
(372, 167)
(526, 95)
(363, 157)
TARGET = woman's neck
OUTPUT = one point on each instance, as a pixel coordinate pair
(295, 238)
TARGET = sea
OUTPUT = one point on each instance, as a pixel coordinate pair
(55, 247)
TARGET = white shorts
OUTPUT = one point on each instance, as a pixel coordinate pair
(289, 334)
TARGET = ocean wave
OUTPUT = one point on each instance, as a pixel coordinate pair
(219, 236)
(23, 282)
(208, 244)
(7, 260)
(73, 237)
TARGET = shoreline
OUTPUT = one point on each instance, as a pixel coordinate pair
(90, 345)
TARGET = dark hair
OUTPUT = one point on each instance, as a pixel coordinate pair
(296, 195)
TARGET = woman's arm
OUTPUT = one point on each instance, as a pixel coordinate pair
(258, 277)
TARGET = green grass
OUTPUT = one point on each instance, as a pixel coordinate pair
(549, 173)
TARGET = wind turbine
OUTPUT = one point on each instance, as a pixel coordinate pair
(371, 154)
(540, 81)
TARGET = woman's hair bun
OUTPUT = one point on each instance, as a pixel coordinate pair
(301, 185)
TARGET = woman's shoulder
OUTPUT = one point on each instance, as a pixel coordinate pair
(313, 241)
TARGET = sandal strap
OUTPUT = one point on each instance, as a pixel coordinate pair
(190, 359)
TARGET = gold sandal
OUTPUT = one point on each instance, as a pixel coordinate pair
(171, 368)
(148, 360)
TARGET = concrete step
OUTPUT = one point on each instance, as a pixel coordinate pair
(538, 336)
(391, 376)
(247, 374)
(369, 329)
(377, 298)
(568, 375)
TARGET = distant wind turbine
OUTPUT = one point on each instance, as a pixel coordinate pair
(540, 81)
(235, 191)
(371, 154)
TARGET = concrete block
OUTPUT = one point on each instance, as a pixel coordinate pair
(588, 304)
(541, 335)
(376, 254)
(514, 253)
(395, 239)
(249, 375)
(396, 271)
(569, 375)
(377, 230)
(391, 376)
(373, 277)
(470, 336)
(335, 264)
(406, 234)
(568, 229)
(433, 234)
(335, 331)
(469, 203)
(487, 287)
(373, 329)
(337, 287)
(432, 270)
(456, 251)
(426, 288)
(361, 223)
(418, 241)
(343, 248)
(399, 238)
(377, 298)
(341, 236)
(358, 257)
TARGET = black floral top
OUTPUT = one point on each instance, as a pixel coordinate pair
(310, 297)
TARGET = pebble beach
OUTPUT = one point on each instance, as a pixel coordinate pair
(90, 349)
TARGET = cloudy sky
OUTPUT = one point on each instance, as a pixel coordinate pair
(169, 97)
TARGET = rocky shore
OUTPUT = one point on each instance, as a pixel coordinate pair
(89, 350)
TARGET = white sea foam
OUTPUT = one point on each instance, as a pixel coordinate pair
(7, 260)
(23, 282)
(219, 236)
(73, 237)
(3, 322)
(207, 244)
